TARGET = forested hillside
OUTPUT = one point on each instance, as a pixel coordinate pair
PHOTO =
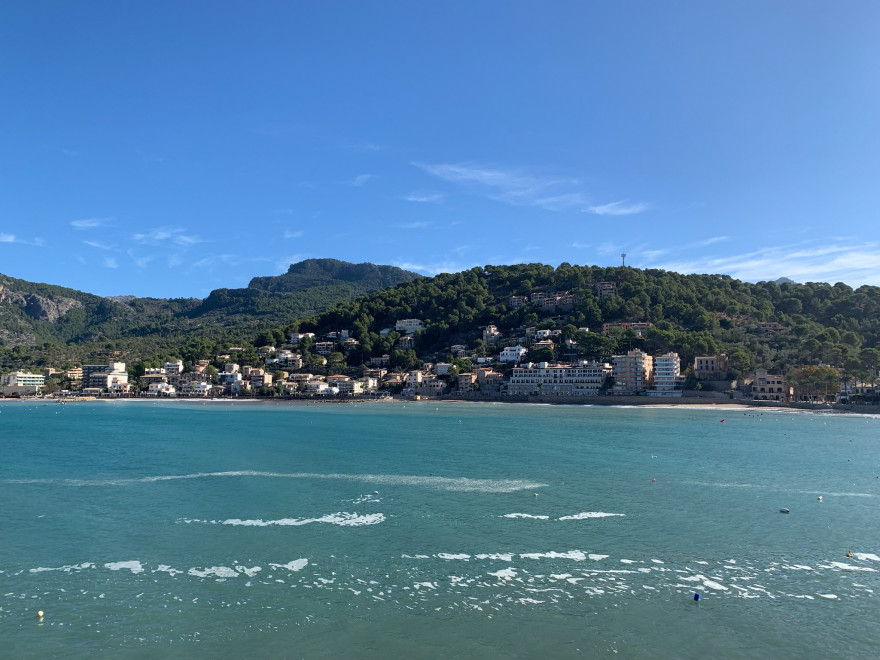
(690, 314)
(43, 324)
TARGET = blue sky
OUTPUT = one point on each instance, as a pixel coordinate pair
(170, 148)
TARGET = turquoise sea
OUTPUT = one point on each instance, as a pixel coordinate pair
(404, 530)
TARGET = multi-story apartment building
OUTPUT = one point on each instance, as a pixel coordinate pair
(633, 372)
(667, 376)
(582, 379)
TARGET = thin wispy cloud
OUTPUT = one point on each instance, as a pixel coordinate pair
(294, 234)
(618, 208)
(710, 241)
(580, 246)
(361, 179)
(12, 238)
(425, 197)
(509, 186)
(69, 152)
(100, 246)
(281, 265)
(518, 188)
(365, 147)
(140, 261)
(173, 235)
(88, 223)
(414, 225)
(110, 262)
(853, 263)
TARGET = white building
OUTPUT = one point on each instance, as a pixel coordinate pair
(19, 382)
(161, 389)
(542, 379)
(103, 376)
(409, 326)
(22, 379)
(513, 354)
(667, 376)
(173, 367)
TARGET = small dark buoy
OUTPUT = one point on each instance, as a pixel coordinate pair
(696, 596)
(849, 554)
(784, 511)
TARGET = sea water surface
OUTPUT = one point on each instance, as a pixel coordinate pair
(179, 530)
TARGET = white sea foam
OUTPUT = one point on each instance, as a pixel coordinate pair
(342, 518)
(849, 567)
(576, 555)
(828, 596)
(499, 556)
(711, 484)
(525, 515)
(463, 484)
(447, 555)
(163, 568)
(598, 557)
(295, 565)
(66, 569)
(627, 561)
(864, 556)
(505, 574)
(250, 572)
(133, 566)
(590, 514)
(214, 571)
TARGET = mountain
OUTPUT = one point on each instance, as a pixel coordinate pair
(70, 324)
(306, 288)
(758, 325)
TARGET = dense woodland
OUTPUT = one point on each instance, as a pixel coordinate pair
(691, 314)
(822, 324)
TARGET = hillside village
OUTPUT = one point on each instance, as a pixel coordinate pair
(529, 364)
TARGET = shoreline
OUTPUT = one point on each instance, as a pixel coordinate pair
(604, 401)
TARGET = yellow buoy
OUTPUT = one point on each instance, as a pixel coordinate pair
(848, 554)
